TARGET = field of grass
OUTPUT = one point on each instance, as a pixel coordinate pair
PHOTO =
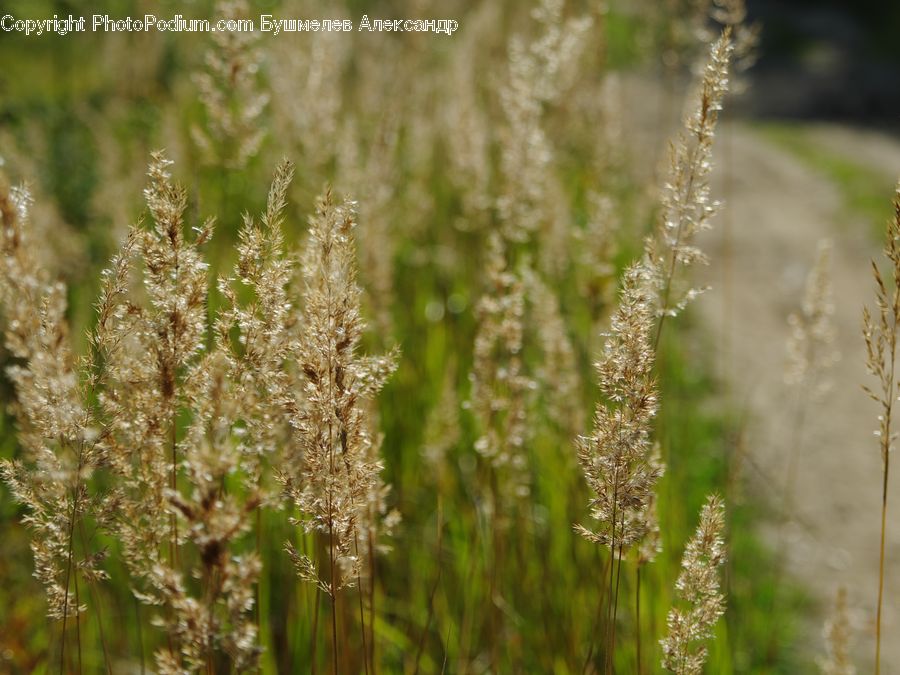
(497, 214)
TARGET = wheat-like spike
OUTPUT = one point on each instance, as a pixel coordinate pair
(231, 94)
(701, 602)
(539, 71)
(837, 635)
(340, 473)
(265, 327)
(180, 413)
(236, 396)
(595, 248)
(501, 389)
(616, 458)
(651, 544)
(369, 165)
(687, 206)
(306, 103)
(56, 428)
(558, 370)
(811, 350)
(156, 366)
(733, 14)
(880, 334)
(442, 428)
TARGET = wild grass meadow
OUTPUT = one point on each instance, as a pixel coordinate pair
(371, 351)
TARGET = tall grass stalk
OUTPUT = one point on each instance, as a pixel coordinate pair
(617, 457)
(700, 601)
(687, 204)
(880, 334)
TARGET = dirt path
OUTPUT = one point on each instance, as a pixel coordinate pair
(777, 211)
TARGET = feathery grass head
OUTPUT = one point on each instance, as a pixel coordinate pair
(733, 14)
(811, 351)
(595, 248)
(183, 416)
(539, 71)
(687, 205)
(557, 374)
(651, 543)
(442, 428)
(56, 428)
(500, 387)
(701, 602)
(306, 99)
(265, 325)
(837, 640)
(880, 335)
(230, 92)
(616, 458)
(148, 346)
(340, 473)
(880, 332)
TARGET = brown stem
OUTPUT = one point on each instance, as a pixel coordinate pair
(331, 469)
(77, 618)
(95, 596)
(886, 457)
(607, 657)
(69, 570)
(333, 594)
(174, 404)
(434, 587)
(314, 667)
(258, 545)
(495, 618)
(881, 564)
(173, 547)
(212, 591)
(362, 616)
(615, 602)
(637, 618)
(599, 616)
(140, 634)
(372, 577)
